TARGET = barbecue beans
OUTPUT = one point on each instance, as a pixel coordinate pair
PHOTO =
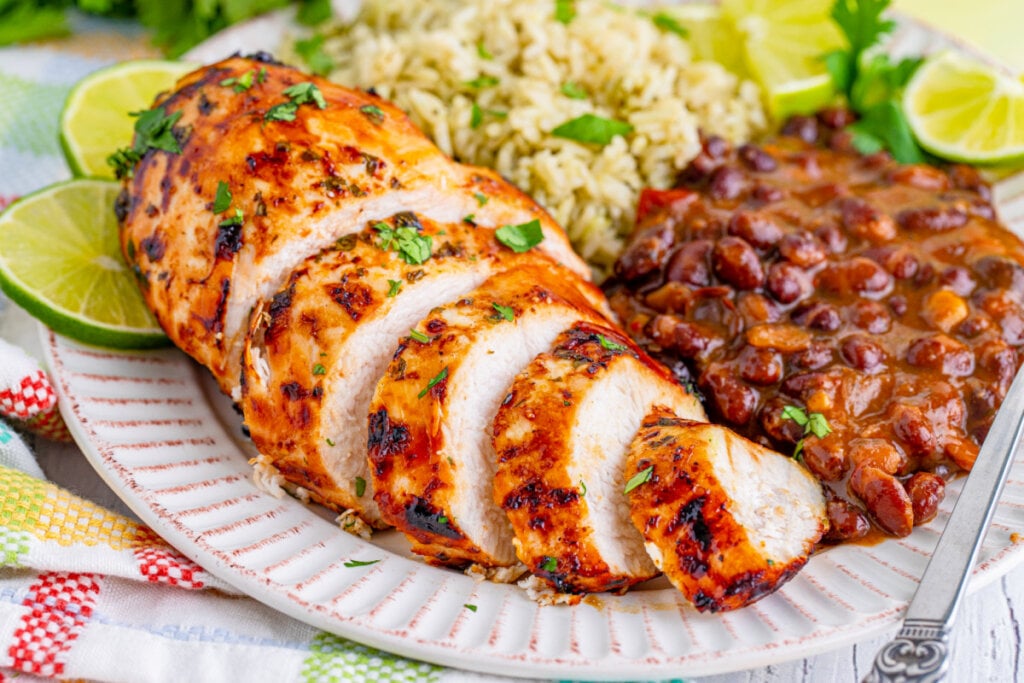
(882, 296)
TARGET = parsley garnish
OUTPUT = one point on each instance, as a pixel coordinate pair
(483, 82)
(481, 198)
(592, 129)
(470, 607)
(565, 11)
(234, 221)
(813, 423)
(412, 247)
(372, 112)
(470, 219)
(393, 287)
(360, 563)
(312, 52)
(872, 85)
(153, 130)
(240, 84)
(222, 200)
(319, 369)
(482, 51)
(522, 237)
(306, 93)
(441, 519)
(437, 379)
(549, 564)
(476, 115)
(641, 477)
(609, 344)
(360, 487)
(420, 337)
(330, 442)
(666, 22)
(281, 112)
(507, 312)
(574, 90)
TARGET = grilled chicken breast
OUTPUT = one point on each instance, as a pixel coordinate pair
(430, 440)
(299, 176)
(561, 437)
(726, 519)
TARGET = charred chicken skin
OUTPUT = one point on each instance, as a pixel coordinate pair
(413, 341)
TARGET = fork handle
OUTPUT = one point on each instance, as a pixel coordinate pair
(916, 655)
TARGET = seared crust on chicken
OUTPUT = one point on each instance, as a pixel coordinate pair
(441, 392)
(298, 184)
(561, 437)
(727, 520)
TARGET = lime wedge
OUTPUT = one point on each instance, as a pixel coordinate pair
(60, 259)
(782, 44)
(964, 110)
(96, 119)
(710, 36)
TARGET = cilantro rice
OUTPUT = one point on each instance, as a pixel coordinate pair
(490, 80)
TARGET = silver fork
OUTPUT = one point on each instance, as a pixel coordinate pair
(919, 653)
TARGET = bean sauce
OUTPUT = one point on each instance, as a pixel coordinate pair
(800, 273)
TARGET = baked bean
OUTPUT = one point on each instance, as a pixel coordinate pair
(736, 262)
(899, 261)
(1000, 359)
(816, 315)
(959, 280)
(760, 366)
(944, 310)
(832, 237)
(921, 176)
(842, 142)
(877, 160)
(780, 336)
(967, 178)
(885, 498)
(757, 309)
(646, 252)
(865, 221)
(932, 219)
(858, 275)
(942, 353)
(961, 451)
(802, 248)
(756, 159)
(974, 325)
(710, 157)
(767, 194)
(875, 453)
(836, 118)
(788, 283)
(759, 229)
(816, 355)
(822, 194)
(727, 182)
(913, 429)
(871, 316)
(780, 428)
(846, 521)
(862, 353)
(690, 263)
(734, 400)
(686, 338)
(806, 384)
(926, 492)
(825, 457)
(671, 297)
(898, 304)
(803, 127)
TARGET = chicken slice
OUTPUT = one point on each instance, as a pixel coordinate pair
(431, 455)
(727, 520)
(297, 177)
(318, 348)
(561, 437)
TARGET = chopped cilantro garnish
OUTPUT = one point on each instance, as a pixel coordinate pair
(483, 82)
(420, 337)
(360, 487)
(435, 380)
(549, 564)
(312, 52)
(306, 93)
(372, 112)
(233, 221)
(607, 343)
(469, 219)
(522, 237)
(412, 247)
(641, 477)
(667, 22)
(222, 200)
(813, 423)
(441, 519)
(393, 287)
(476, 116)
(507, 312)
(360, 563)
(469, 606)
(482, 51)
(592, 129)
(281, 112)
(240, 84)
(481, 198)
(330, 442)
(319, 369)
(153, 130)
(574, 90)
(583, 488)
(565, 11)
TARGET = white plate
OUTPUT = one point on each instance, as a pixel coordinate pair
(156, 428)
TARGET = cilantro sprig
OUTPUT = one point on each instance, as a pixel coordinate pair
(154, 129)
(813, 423)
(412, 247)
(522, 237)
(871, 81)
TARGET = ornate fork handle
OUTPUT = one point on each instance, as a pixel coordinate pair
(916, 655)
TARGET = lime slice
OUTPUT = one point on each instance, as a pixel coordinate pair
(710, 36)
(60, 259)
(783, 42)
(964, 110)
(96, 119)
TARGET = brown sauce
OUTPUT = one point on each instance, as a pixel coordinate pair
(801, 274)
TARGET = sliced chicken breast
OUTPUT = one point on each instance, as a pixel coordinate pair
(318, 347)
(561, 438)
(293, 172)
(431, 454)
(727, 520)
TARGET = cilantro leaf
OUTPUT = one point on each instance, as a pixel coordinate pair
(372, 112)
(861, 22)
(420, 337)
(483, 82)
(434, 381)
(360, 487)
(798, 415)
(233, 221)
(818, 425)
(155, 130)
(394, 286)
(482, 51)
(506, 312)
(607, 343)
(313, 12)
(360, 563)
(281, 112)
(667, 22)
(592, 129)
(222, 200)
(412, 247)
(886, 122)
(319, 369)
(574, 90)
(565, 11)
(471, 607)
(549, 564)
(306, 93)
(641, 477)
(522, 237)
